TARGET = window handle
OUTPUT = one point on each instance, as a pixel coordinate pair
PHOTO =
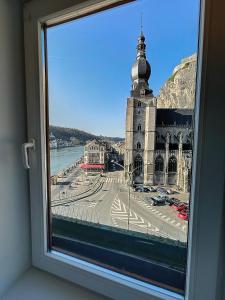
(25, 146)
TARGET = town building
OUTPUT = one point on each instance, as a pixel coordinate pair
(94, 156)
(158, 143)
(117, 152)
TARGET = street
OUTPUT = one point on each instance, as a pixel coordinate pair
(104, 200)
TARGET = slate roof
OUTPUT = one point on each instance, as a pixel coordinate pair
(168, 117)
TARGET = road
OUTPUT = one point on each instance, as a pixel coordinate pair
(110, 206)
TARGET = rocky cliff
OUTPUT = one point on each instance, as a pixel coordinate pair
(179, 89)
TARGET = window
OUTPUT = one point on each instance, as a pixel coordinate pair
(51, 258)
(172, 165)
(159, 164)
(91, 184)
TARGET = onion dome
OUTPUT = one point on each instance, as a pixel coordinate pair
(141, 69)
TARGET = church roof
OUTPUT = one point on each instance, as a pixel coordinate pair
(168, 117)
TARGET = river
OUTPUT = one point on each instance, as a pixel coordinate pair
(62, 158)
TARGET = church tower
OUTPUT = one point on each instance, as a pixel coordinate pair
(140, 121)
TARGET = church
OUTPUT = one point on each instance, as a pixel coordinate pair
(158, 141)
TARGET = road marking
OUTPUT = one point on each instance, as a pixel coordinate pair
(119, 211)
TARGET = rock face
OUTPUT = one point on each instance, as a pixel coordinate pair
(179, 89)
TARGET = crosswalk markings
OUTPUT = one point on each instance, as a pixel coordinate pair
(114, 180)
(119, 212)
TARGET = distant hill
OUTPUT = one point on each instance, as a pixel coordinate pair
(83, 136)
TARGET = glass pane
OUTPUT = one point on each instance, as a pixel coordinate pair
(121, 92)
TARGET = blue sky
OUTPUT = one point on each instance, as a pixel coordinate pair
(90, 60)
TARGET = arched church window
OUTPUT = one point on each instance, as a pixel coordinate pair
(139, 127)
(138, 165)
(139, 104)
(172, 165)
(159, 164)
(138, 145)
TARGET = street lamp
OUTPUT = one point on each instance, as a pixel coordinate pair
(130, 173)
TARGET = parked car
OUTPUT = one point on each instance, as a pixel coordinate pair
(184, 214)
(159, 200)
(172, 201)
(170, 192)
(152, 189)
(137, 189)
(161, 190)
(146, 189)
(180, 206)
(141, 189)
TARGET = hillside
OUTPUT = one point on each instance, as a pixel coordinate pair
(83, 136)
(179, 89)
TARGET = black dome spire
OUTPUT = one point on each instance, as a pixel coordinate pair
(141, 69)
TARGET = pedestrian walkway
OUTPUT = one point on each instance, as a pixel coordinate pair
(114, 180)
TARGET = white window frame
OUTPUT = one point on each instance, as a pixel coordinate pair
(204, 237)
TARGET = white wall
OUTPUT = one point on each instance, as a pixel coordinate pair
(15, 255)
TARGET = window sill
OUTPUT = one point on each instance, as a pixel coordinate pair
(36, 285)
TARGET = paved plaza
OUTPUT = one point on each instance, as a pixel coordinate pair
(105, 200)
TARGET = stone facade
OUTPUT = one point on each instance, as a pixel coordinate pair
(94, 152)
(173, 154)
(158, 143)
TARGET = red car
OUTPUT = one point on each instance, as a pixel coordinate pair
(180, 206)
(183, 215)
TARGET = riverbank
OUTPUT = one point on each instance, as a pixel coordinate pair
(63, 159)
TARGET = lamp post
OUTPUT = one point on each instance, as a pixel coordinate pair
(130, 173)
